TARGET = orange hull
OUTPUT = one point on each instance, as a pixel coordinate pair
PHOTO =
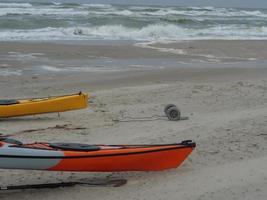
(150, 159)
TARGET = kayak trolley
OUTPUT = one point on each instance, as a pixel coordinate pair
(172, 112)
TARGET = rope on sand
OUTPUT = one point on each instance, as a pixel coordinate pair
(171, 111)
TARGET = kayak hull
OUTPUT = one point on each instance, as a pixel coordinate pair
(109, 158)
(44, 105)
(149, 161)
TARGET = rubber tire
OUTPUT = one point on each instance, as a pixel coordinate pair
(173, 114)
(168, 106)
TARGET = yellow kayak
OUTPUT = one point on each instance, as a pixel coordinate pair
(22, 107)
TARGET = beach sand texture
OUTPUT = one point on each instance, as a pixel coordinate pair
(220, 85)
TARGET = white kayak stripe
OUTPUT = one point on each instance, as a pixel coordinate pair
(28, 163)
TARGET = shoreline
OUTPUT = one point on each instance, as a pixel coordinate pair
(120, 46)
(53, 59)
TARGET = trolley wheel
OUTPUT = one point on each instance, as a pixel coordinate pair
(173, 114)
(169, 106)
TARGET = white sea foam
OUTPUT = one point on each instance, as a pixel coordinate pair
(142, 8)
(77, 69)
(149, 45)
(151, 32)
(145, 67)
(39, 34)
(22, 56)
(157, 32)
(98, 5)
(172, 32)
(43, 11)
(209, 57)
(97, 68)
(134, 11)
(112, 12)
(56, 3)
(219, 12)
(15, 5)
(51, 68)
(94, 69)
(7, 72)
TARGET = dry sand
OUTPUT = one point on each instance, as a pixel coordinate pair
(227, 110)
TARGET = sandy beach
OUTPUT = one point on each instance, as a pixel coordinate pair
(220, 85)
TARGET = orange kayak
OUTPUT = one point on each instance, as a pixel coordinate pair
(92, 158)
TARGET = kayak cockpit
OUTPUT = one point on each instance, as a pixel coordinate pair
(75, 146)
(56, 146)
(6, 102)
(10, 141)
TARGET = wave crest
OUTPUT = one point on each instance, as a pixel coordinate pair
(70, 21)
(150, 32)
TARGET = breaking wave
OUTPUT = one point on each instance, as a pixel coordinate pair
(74, 21)
(157, 32)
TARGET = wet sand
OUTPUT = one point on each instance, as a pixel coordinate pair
(225, 100)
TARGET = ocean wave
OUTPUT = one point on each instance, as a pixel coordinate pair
(212, 12)
(219, 12)
(232, 32)
(208, 8)
(38, 34)
(162, 12)
(97, 5)
(15, 5)
(144, 8)
(73, 9)
(156, 32)
(118, 32)
(113, 12)
(60, 9)
(91, 5)
(181, 20)
(43, 11)
(7, 72)
(160, 32)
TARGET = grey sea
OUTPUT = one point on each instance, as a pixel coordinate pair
(52, 20)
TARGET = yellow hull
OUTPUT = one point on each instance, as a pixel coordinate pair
(44, 105)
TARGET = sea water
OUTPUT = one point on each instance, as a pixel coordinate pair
(50, 20)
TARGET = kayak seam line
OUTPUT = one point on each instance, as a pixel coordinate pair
(93, 156)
